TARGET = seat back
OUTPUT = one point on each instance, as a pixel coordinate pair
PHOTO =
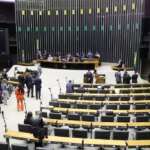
(142, 119)
(81, 106)
(120, 135)
(102, 134)
(4, 146)
(88, 118)
(19, 147)
(73, 117)
(25, 128)
(123, 119)
(142, 135)
(55, 104)
(44, 114)
(114, 98)
(55, 115)
(125, 98)
(140, 106)
(64, 105)
(114, 107)
(61, 132)
(80, 133)
(95, 107)
(107, 118)
(138, 97)
(124, 107)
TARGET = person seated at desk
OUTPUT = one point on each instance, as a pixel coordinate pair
(120, 63)
(68, 58)
(38, 129)
(39, 54)
(134, 77)
(97, 55)
(89, 55)
(50, 58)
(69, 87)
(126, 78)
(45, 55)
(77, 57)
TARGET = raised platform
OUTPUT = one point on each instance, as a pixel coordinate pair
(80, 65)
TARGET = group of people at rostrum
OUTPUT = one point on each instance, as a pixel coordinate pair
(32, 80)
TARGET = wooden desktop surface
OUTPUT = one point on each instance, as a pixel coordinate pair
(103, 102)
(96, 124)
(122, 143)
(99, 94)
(59, 109)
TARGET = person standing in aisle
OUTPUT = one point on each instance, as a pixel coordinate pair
(134, 77)
(38, 86)
(20, 98)
(29, 84)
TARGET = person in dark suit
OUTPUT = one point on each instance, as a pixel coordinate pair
(126, 78)
(29, 83)
(134, 77)
(69, 87)
(118, 77)
(89, 77)
(38, 86)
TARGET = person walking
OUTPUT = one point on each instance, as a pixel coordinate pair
(20, 98)
(38, 86)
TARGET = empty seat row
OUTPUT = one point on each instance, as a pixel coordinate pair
(92, 118)
(101, 134)
(97, 106)
(127, 106)
(80, 106)
(102, 98)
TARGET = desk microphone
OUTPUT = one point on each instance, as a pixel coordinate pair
(50, 93)
(3, 116)
(59, 86)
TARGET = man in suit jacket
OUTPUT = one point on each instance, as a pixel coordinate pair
(38, 86)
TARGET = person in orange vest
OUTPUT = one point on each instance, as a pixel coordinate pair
(20, 98)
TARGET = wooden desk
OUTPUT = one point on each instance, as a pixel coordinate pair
(91, 111)
(135, 143)
(120, 90)
(96, 124)
(79, 95)
(95, 142)
(120, 86)
(57, 139)
(20, 135)
(85, 65)
(120, 143)
(70, 101)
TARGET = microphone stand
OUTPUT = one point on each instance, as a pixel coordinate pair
(50, 93)
(5, 125)
(40, 106)
(59, 86)
(25, 107)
